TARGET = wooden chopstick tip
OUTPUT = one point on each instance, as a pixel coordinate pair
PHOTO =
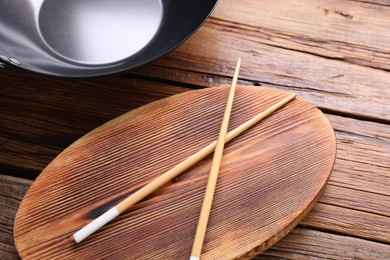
(238, 66)
(286, 100)
(292, 96)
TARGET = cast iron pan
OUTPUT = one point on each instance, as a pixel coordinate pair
(80, 38)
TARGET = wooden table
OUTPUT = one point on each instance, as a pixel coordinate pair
(335, 54)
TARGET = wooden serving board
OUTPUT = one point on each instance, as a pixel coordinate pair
(270, 177)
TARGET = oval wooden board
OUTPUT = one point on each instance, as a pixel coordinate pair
(270, 177)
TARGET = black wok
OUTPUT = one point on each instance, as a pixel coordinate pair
(79, 38)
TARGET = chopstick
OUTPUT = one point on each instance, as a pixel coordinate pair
(169, 175)
(213, 176)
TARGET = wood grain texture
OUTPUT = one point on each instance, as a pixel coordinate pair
(12, 191)
(359, 181)
(304, 243)
(346, 98)
(30, 136)
(333, 53)
(259, 181)
(299, 71)
(300, 243)
(296, 46)
(350, 31)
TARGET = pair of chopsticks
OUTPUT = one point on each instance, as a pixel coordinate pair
(218, 146)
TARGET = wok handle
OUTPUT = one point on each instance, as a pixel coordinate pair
(5, 59)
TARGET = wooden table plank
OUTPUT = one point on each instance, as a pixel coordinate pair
(363, 161)
(321, 98)
(302, 243)
(339, 86)
(39, 120)
(105, 96)
(350, 222)
(355, 199)
(351, 31)
(12, 191)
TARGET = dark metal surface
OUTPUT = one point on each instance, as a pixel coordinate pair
(77, 38)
